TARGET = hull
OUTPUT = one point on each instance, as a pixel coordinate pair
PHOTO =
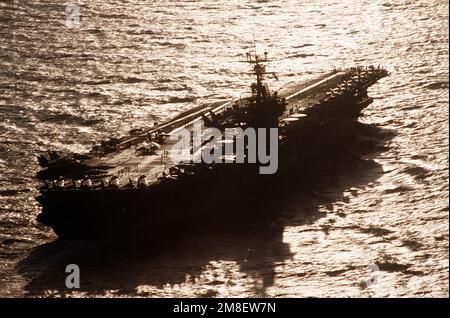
(216, 197)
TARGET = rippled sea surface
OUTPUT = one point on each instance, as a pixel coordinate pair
(131, 63)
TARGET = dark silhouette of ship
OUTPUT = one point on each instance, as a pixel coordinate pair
(130, 187)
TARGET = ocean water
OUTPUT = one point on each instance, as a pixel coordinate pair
(378, 230)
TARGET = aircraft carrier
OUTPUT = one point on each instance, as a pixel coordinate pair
(134, 186)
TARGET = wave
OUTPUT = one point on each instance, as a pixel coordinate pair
(302, 45)
(12, 192)
(417, 172)
(133, 80)
(100, 82)
(174, 100)
(437, 85)
(68, 119)
(398, 189)
(142, 32)
(302, 55)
